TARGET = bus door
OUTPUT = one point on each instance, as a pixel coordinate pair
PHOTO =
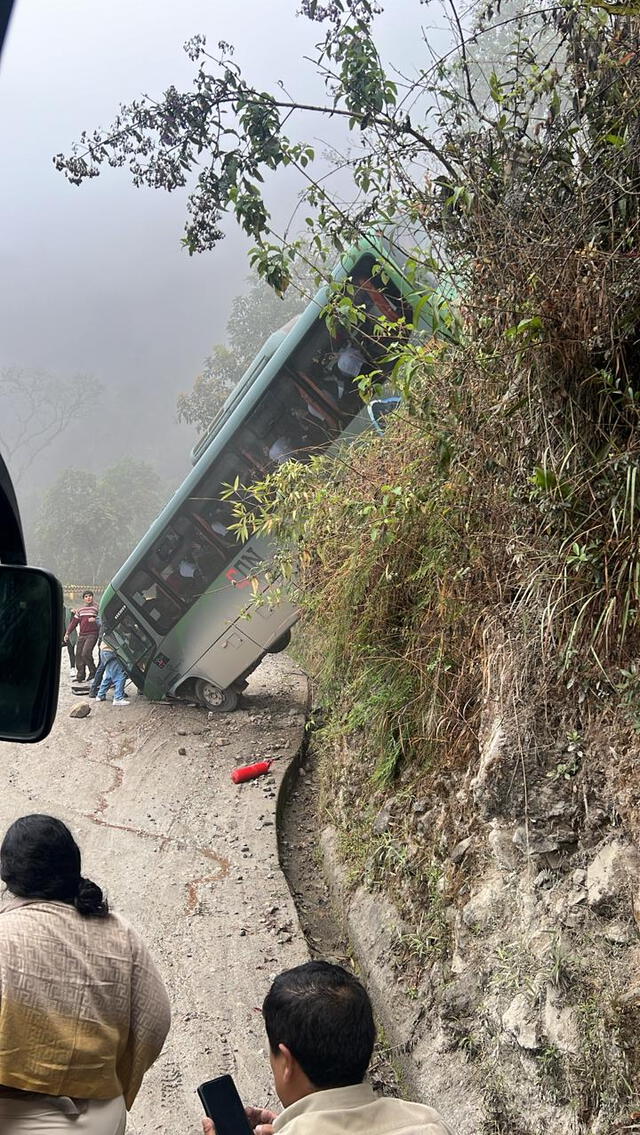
(134, 645)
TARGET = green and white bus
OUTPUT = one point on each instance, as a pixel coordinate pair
(182, 611)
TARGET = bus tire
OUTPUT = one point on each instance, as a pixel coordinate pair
(213, 698)
(280, 643)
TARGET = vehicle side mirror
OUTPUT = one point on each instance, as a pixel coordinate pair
(380, 407)
(31, 631)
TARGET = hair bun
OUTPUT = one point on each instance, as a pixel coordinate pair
(90, 899)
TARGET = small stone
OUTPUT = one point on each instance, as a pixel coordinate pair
(618, 933)
(532, 842)
(80, 711)
(182, 752)
(560, 1024)
(181, 732)
(460, 850)
(612, 874)
(501, 844)
(520, 1020)
(383, 819)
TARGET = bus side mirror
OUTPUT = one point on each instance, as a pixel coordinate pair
(31, 632)
(379, 408)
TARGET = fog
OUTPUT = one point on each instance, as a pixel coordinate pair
(94, 280)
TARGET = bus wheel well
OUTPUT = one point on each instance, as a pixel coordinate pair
(214, 699)
(186, 691)
(281, 643)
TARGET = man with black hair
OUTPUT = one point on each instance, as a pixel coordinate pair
(86, 620)
(319, 1022)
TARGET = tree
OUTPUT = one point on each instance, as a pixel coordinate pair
(416, 139)
(254, 316)
(36, 408)
(89, 524)
(227, 135)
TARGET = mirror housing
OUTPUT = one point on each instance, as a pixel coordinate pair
(380, 407)
(31, 631)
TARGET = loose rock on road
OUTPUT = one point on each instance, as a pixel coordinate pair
(189, 858)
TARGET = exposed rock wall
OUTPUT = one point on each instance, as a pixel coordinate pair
(525, 1021)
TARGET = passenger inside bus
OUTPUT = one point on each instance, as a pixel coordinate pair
(216, 517)
(134, 643)
(153, 602)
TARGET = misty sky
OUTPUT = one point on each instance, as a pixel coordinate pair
(94, 279)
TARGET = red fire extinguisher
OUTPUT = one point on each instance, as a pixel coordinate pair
(250, 772)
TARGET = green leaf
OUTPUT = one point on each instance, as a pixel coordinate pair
(495, 88)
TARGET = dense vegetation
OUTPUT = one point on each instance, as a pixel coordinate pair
(495, 526)
(507, 486)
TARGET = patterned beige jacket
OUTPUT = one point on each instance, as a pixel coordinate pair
(83, 1010)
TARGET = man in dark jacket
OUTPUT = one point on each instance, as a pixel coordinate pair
(70, 640)
(86, 620)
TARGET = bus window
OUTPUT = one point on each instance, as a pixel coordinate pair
(210, 562)
(380, 300)
(214, 517)
(282, 427)
(323, 370)
(208, 509)
(179, 573)
(185, 560)
(156, 606)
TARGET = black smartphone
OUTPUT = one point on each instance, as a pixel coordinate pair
(223, 1105)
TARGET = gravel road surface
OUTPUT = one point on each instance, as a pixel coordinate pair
(189, 858)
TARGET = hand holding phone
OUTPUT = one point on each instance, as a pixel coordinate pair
(260, 1119)
(223, 1105)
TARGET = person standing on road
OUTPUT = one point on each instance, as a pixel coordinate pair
(83, 1010)
(70, 640)
(86, 620)
(319, 1023)
(114, 675)
(105, 652)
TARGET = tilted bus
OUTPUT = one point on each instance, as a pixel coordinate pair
(182, 611)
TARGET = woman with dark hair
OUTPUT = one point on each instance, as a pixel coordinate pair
(83, 1010)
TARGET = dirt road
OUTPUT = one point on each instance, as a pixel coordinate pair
(189, 858)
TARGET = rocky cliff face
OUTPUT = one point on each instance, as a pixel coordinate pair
(510, 981)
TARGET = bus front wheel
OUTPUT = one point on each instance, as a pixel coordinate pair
(213, 698)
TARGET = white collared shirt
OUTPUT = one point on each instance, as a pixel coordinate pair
(356, 1110)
